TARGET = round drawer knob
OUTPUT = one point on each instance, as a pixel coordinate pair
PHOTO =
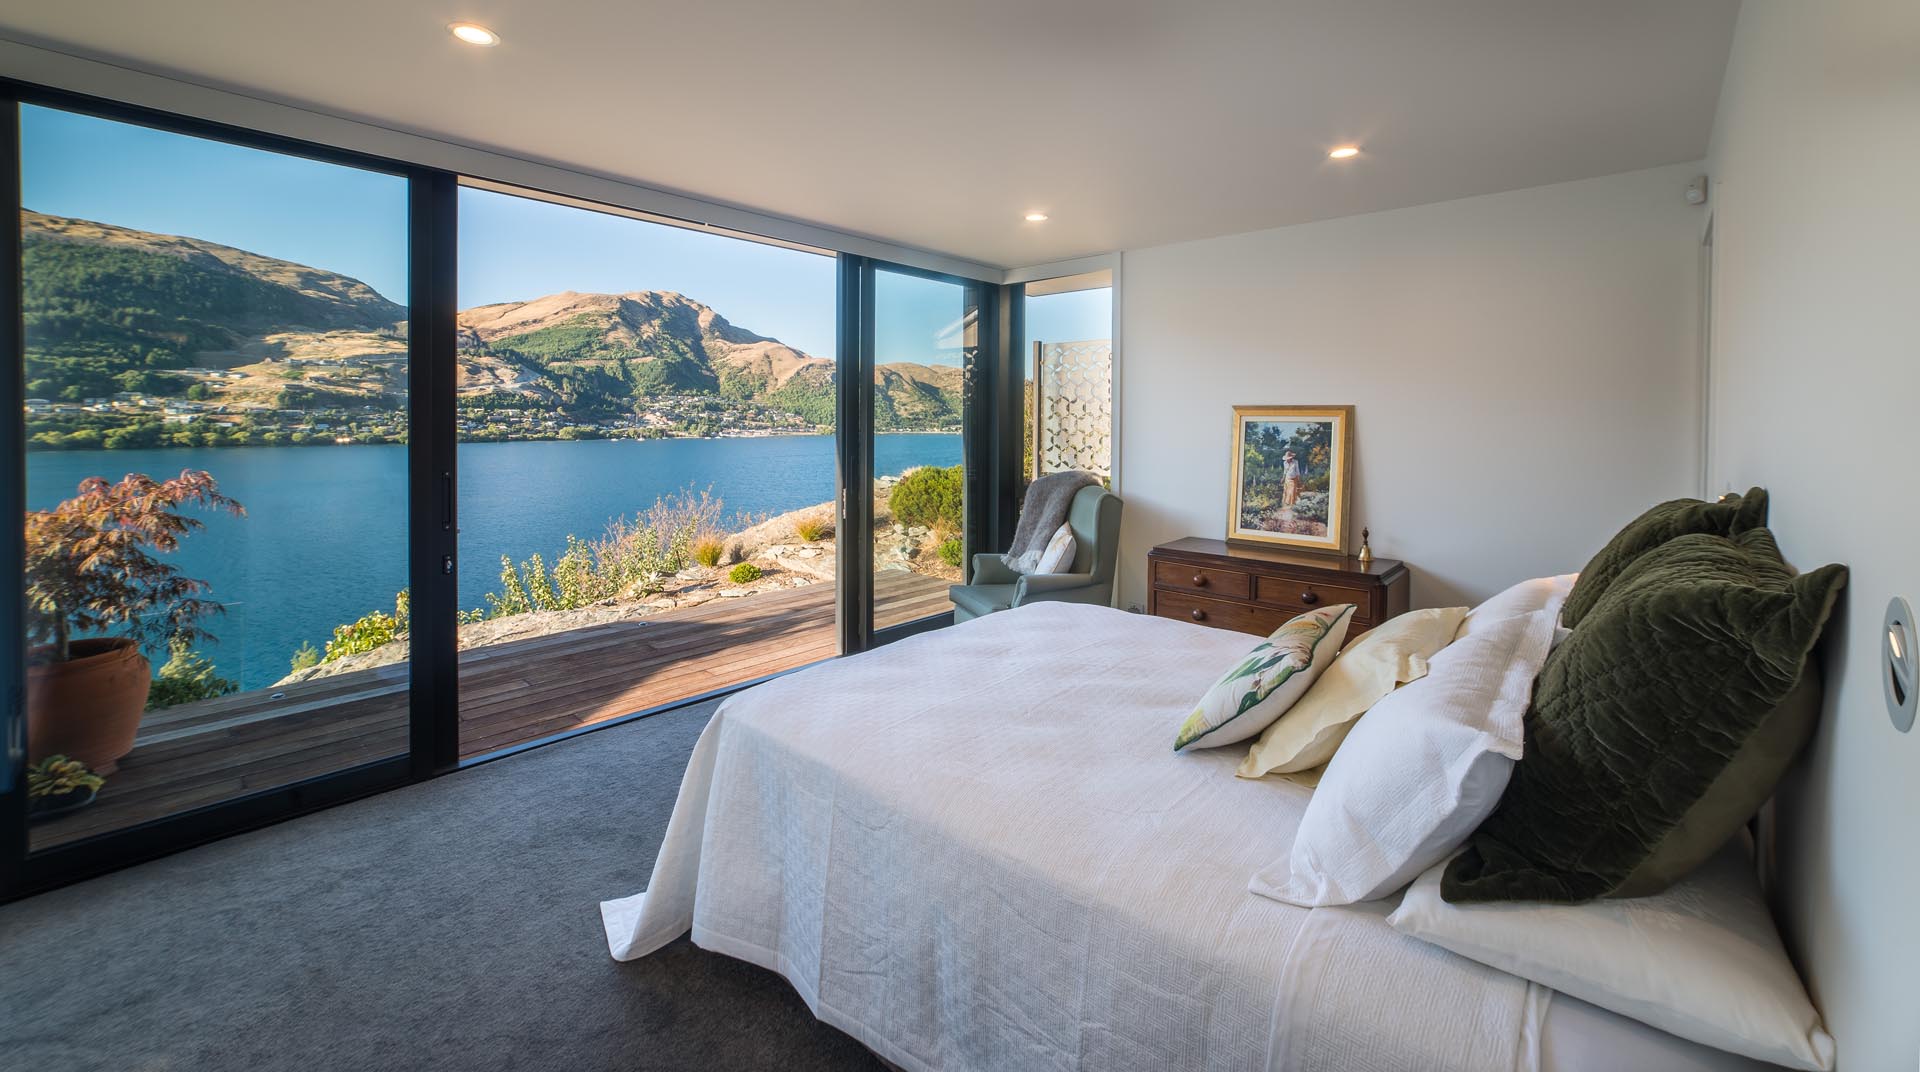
(1309, 597)
(1199, 615)
(1199, 580)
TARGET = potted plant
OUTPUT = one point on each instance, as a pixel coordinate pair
(57, 785)
(93, 569)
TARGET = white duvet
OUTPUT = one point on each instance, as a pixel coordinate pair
(976, 849)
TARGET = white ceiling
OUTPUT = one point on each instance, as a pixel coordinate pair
(938, 125)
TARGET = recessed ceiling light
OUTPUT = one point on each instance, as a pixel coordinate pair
(1036, 217)
(1345, 152)
(474, 34)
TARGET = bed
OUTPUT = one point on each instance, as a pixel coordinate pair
(975, 849)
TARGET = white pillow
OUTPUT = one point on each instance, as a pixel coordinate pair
(1058, 557)
(1700, 960)
(1268, 680)
(1523, 598)
(1418, 772)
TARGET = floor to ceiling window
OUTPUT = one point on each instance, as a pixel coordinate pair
(216, 394)
(647, 463)
(332, 473)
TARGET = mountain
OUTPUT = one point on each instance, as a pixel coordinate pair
(111, 309)
(625, 347)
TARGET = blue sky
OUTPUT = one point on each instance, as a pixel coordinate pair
(341, 219)
(511, 248)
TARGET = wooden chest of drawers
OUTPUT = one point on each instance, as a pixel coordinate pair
(1255, 590)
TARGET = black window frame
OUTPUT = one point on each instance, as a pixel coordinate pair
(984, 432)
(430, 333)
(991, 424)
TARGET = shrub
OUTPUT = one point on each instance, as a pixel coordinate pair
(929, 496)
(812, 529)
(950, 551)
(372, 630)
(708, 549)
(630, 557)
(185, 678)
(744, 573)
(306, 656)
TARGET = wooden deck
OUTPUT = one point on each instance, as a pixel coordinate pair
(202, 753)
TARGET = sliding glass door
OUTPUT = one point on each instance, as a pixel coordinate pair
(925, 339)
(216, 394)
(646, 464)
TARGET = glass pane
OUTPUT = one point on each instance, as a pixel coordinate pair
(646, 458)
(215, 352)
(923, 338)
(1069, 381)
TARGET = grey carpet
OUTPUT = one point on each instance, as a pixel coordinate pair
(450, 925)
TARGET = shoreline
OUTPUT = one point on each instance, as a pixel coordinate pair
(318, 445)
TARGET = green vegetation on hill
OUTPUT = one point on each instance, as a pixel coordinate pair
(812, 401)
(907, 397)
(94, 315)
(104, 314)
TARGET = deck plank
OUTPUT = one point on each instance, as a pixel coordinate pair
(202, 753)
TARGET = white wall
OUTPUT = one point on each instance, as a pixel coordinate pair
(1524, 369)
(1816, 376)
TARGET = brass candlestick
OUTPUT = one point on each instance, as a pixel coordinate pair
(1366, 550)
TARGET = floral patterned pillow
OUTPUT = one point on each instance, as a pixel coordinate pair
(1259, 689)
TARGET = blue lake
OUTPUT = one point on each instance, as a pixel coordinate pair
(324, 539)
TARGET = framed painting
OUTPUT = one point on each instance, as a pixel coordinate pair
(1292, 476)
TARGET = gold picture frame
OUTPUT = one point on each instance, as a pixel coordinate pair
(1292, 477)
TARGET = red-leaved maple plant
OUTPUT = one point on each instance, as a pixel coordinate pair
(93, 563)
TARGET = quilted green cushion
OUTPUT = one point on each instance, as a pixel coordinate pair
(1658, 727)
(1730, 516)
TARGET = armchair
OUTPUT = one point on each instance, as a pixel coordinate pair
(1094, 519)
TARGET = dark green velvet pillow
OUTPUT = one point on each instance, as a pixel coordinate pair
(1730, 516)
(1658, 727)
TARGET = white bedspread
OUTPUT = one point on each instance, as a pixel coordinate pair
(976, 849)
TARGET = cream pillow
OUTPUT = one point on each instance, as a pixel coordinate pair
(1394, 653)
(1700, 959)
(1058, 556)
(1271, 677)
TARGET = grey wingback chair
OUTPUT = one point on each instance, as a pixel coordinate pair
(1094, 518)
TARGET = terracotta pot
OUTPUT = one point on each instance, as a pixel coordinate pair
(87, 708)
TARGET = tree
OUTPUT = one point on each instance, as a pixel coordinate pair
(92, 562)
